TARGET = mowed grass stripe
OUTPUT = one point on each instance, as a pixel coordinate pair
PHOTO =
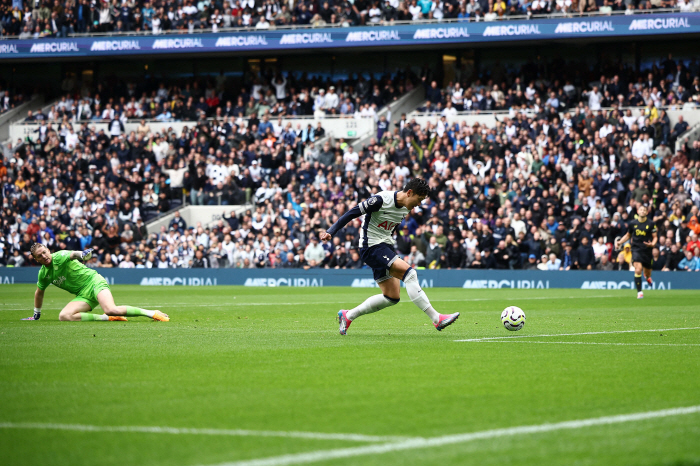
(226, 304)
(417, 443)
(190, 431)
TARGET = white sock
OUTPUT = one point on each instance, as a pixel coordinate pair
(102, 317)
(149, 313)
(418, 296)
(372, 304)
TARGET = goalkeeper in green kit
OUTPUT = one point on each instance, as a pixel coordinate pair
(66, 270)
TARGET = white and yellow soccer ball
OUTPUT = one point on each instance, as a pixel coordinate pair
(513, 318)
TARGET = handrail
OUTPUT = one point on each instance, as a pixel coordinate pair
(310, 118)
(692, 134)
(590, 14)
(417, 114)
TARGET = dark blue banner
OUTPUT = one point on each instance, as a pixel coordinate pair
(338, 38)
(362, 278)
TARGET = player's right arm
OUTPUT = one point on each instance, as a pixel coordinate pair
(622, 240)
(42, 283)
(38, 299)
(373, 204)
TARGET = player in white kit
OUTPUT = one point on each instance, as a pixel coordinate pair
(383, 213)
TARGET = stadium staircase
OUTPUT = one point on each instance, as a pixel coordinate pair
(207, 216)
(406, 104)
(12, 116)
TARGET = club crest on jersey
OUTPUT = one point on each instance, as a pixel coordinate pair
(388, 226)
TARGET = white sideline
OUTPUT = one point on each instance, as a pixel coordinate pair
(588, 343)
(412, 444)
(187, 431)
(510, 337)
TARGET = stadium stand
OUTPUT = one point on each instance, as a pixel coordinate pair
(534, 189)
(557, 86)
(10, 100)
(268, 93)
(63, 18)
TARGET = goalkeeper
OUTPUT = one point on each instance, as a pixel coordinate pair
(65, 269)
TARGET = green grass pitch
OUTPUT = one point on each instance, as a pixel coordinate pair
(242, 362)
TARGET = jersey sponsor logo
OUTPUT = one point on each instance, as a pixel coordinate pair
(59, 281)
(441, 33)
(296, 282)
(659, 23)
(388, 226)
(517, 284)
(622, 285)
(584, 26)
(172, 281)
(640, 232)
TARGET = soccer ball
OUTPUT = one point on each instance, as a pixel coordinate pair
(513, 318)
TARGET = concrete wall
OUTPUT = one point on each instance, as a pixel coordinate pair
(335, 127)
(18, 113)
(691, 116)
(406, 104)
(206, 215)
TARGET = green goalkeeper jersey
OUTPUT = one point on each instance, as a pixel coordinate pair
(65, 273)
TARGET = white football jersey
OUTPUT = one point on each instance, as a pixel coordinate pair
(382, 218)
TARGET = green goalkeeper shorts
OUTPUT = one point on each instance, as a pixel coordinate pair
(91, 290)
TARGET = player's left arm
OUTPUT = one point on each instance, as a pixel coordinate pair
(373, 204)
(654, 239)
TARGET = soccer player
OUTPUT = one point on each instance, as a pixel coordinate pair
(643, 233)
(66, 270)
(383, 213)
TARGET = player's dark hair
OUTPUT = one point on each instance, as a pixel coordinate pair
(34, 247)
(418, 186)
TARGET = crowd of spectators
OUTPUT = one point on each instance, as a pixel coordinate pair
(559, 86)
(9, 99)
(264, 94)
(62, 18)
(503, 195)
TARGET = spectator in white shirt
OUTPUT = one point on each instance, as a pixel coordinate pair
(331, 101)
(320, 100)
(594, 98)
(640, 148)
(351, 160)
(449, 111)
(606, 129)
(71, 139)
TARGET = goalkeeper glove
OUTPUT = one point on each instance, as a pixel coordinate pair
(86, 255)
